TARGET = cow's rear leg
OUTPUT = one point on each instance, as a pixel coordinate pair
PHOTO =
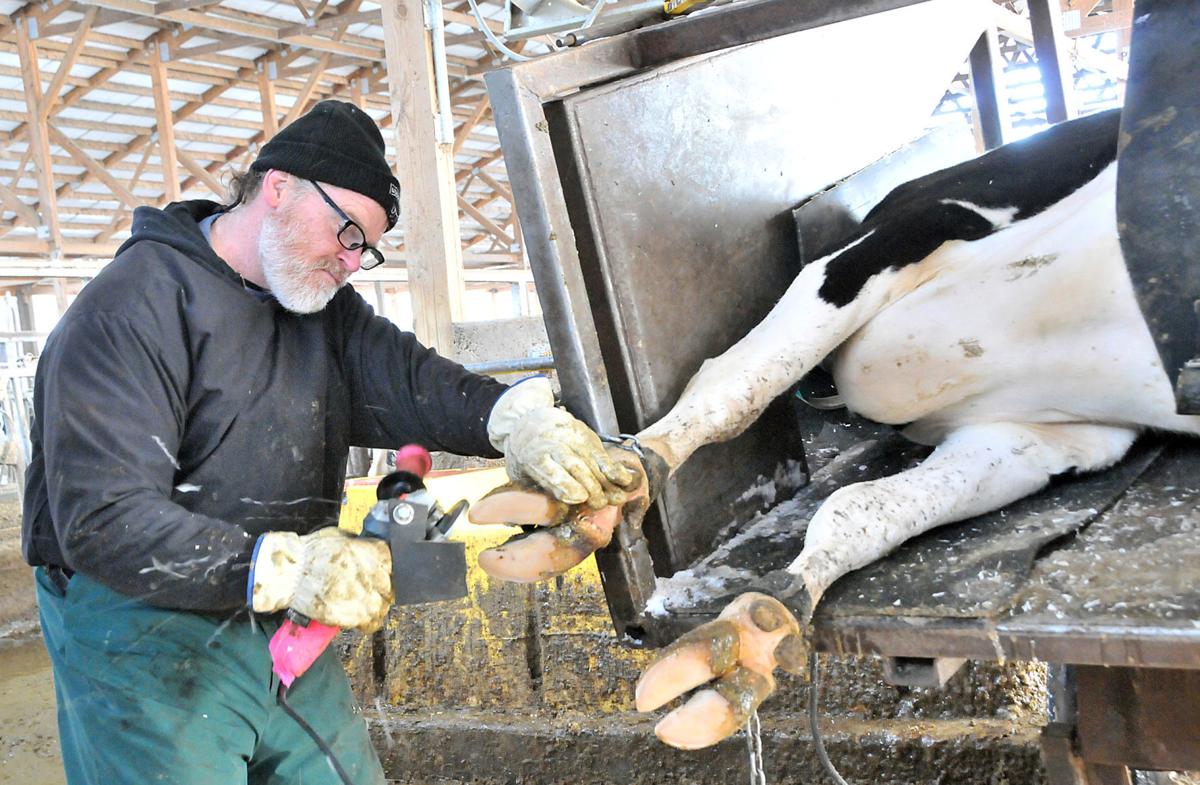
(976, 469)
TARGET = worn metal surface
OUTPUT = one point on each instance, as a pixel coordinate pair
(748, 23)
(552, 155)
(679, 261)
(551, 78)
(682, 253)
(1158, 178)
(550, 243)
(1143, 718)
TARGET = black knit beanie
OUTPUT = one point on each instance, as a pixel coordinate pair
(339, 144)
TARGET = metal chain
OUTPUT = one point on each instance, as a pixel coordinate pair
(626, 441)
(758, 776)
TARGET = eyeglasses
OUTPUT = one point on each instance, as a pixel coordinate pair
(351, 235)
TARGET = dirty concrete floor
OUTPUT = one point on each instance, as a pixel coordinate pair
(28, 734)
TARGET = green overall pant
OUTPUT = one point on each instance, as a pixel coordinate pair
(147, 695)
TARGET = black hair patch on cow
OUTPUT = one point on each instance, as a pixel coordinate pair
(1025, 177)
(907, 238)
(1030, 175)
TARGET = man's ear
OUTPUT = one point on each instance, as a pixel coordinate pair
(274, 186)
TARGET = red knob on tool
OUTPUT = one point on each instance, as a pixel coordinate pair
(413, 462)
(415, 459)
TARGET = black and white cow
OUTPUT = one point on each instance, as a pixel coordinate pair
(987, 309)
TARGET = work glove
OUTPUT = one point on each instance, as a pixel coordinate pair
(329, 576)
(546, 446)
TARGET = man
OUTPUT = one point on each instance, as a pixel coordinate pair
(193, 412)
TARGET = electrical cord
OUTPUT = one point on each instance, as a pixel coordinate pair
(321, 744)
(813, 698)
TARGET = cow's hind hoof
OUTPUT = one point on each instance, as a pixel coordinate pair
(738, 652)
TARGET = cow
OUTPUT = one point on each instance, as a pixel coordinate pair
(985, 310)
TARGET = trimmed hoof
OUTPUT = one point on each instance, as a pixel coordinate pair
(516, 505)
(740, 650)
(571, 534)
(546, 553)
(701, 722)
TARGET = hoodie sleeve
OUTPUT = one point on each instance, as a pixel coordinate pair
(404, 392)
(112, 402)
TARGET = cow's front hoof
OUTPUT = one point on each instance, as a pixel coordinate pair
(545, 553)
(517, 505)
(569, 534)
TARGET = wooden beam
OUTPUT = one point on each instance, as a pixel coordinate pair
(92, 165)
(103, 17)
(426, 168)
(226, 43)
(76, 94)
(485, 222)
(266, 68)
(497, 186)
(119, 223)
(35, 247)
(468, 19)
(165, 120)
(184, 112)
(258, 27)
(68, 60)
(490, 158)
(202, 174)
(464, 130)
(1119, 20)
(23, 211)
(299, 4)
(101, 77)
(141, 167)
(31, 76)
(1126, 36)
(1084, 7)
(1102, 23)
(318, 71)
(358, 90)
(167, 7)
(334, 21)
(20, 170)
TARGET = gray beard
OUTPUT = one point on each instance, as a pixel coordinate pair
(286, 272)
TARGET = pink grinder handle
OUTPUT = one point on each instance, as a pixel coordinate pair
(294, 648)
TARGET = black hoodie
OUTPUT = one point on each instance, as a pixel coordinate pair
(178, 415)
